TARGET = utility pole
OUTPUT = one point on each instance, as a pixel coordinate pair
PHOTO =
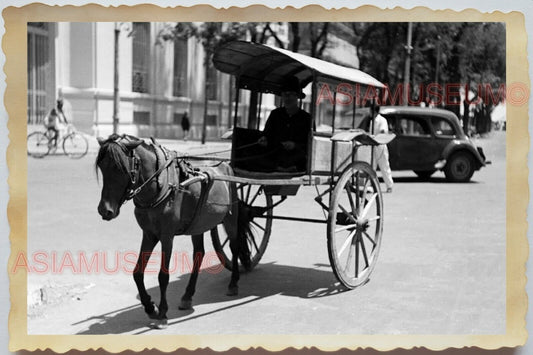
(116, 84)
(406, 77)
(116, 97)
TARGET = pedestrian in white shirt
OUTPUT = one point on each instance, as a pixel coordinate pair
(381, 152)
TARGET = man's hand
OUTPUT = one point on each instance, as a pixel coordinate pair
(263, 141)
(288, 145)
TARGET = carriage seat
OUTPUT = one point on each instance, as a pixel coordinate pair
(251, 160)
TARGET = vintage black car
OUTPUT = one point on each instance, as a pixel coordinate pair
(430, 139)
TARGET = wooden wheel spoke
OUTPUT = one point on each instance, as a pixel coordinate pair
(248, 194)
(251, 238)
(350, 253)
(258, 225)
(370, 238)
(357, 202)
(363, 250)
(356, 256)
(348, 214)
(350, 199)
(257, 193)
(369, 205)
(343, 228)
(348, 241)
(225, 242)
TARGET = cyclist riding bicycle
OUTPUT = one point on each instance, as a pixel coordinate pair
(56, 121)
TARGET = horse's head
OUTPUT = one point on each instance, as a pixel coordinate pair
(117, 163)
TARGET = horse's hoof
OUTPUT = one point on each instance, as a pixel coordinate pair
(160, 324)
(233, 291)
(154, 314)
(185, 305)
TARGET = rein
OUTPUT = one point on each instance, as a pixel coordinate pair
(206, 156)
(134, 192)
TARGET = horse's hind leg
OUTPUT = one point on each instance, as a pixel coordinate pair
(198, 256)
(147, 246)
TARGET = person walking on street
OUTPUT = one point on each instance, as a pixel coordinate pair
(381, 152)
(185, 125)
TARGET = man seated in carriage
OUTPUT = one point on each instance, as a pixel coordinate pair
(285, 136)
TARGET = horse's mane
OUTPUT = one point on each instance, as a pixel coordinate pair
(110, 148)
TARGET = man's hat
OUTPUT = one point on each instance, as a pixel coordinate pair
(292, 84)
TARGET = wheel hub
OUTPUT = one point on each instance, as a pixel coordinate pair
(362, 224)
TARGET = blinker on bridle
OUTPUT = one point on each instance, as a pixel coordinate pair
(133, 172)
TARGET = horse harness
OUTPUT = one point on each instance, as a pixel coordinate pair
(174, 174)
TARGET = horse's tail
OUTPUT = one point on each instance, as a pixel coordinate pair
(244, 234)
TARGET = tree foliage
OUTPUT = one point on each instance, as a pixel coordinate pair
(461, 53)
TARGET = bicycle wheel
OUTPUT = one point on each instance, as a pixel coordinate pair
(37, 145)
(75, 145)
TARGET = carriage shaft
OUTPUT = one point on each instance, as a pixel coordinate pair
(297, 219)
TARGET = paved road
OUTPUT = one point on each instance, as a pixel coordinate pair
(441, 269)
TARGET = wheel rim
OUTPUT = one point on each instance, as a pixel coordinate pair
(75, 145)
(355, 225)
(257, 241)
(38, 145)
(461, 167)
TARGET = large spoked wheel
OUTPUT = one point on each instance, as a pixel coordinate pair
(37, 144)
(75, 145)
(258, 206)
(355, 225)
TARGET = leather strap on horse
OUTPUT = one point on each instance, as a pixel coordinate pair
(166, 188)
(207, 182)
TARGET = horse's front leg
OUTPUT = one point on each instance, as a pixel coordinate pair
(163, 278)
(147, 246)
(198, 256)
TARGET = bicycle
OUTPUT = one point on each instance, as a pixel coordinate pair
(74, 144)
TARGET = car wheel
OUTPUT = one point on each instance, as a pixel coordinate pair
(460, 167)
(424, 174)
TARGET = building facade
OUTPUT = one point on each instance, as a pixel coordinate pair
(158, 79)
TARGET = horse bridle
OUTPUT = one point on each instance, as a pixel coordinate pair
(134, 173)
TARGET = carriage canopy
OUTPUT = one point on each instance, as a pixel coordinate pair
(264, 68)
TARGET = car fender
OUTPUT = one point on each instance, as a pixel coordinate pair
(455, 146)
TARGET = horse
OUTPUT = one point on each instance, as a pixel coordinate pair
(154, 178)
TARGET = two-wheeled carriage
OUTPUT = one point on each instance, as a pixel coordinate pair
(236, 203)
(339, 159)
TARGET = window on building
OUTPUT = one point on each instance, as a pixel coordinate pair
(39, 70)
(211, 120)
(180, 67)
(141, 56)
(141, 117)
(212, 83)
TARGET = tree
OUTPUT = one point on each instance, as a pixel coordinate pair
(469, 52)
(211, 35)
(313, 36)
